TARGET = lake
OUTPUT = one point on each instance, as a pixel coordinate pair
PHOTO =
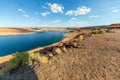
(25, 42)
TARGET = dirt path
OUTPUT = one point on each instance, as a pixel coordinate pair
(97, 59)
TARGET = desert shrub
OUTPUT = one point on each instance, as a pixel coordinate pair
(76, 36)
(74, 44)
(18, 60)
(43, 59)
(81, 38)
(95, 32)
(57, 50)
(50, 54)
(38, 58)
(64, 49)
(101, 31)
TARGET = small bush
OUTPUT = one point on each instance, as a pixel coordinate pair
(101, 31)
(81, 38)
(95, 32)
(38, 58)
(74, 44)
(64, 49)
(50, 54)
(57, 50)
(19, 60)
(44, 59)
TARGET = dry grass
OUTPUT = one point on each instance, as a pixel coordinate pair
(57, 50)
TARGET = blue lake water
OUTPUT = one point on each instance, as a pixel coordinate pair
(25, 42)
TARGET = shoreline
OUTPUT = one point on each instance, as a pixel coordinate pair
(66, 38)
(36, 31)
(20, 31)
(8, 57)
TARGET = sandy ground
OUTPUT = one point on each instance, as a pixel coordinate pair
(97, 59)
(17, 31)
(14, 31)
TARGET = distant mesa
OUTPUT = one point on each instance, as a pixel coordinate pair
(115, 25)
(13, 31)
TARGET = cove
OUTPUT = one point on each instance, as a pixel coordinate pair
(25, 42)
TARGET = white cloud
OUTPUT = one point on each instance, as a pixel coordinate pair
(82, 10)
(94, 16)
(76, 23)
(73, 18)
(55, 8)
(26, 16)
(21, 10)
(115, 10)
(70, 13)
(44, 14)
(57, 21)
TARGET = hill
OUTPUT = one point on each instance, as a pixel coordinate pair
(13, 31)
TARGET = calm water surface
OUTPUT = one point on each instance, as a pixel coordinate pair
(24, 42)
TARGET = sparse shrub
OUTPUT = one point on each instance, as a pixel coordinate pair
(74, 44)
(76, 36)
(57, 50)
(64, 49)
(95, 32)
(81, 38)
(50, 54)
(101, 31)
(32, 55)
(19, 60)
(43, 59)
(38, 58)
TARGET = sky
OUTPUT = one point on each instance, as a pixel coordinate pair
(60, 13)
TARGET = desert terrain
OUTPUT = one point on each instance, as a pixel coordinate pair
(97, 58)
(16, 31)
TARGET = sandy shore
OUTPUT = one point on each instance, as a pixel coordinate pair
(5, 58)
(18, 31)
(67, 37)
(8, 57)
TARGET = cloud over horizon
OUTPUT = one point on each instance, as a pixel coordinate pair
(94, 16)
(57, 21)
(44, 14)
(115, 10)
(21, 10)
(82, 10)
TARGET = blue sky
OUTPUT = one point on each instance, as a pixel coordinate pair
(25, 13)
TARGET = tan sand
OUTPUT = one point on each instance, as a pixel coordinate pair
(5, 58)
(14, 31)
